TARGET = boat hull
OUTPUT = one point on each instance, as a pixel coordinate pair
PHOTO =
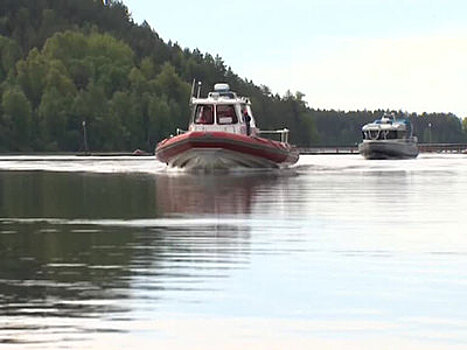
(388, 149)
(222, 150)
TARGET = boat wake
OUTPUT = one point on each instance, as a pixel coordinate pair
(155, 223)
(119, 164)
(93, 164)
(308, 164)
(344, 164)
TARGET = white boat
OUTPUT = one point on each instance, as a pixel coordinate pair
(388, 138)
(222, 134)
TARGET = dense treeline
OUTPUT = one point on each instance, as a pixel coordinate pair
(65, 62)
(344, 128)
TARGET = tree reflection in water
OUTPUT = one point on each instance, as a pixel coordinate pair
(79, 247)
(218, 194)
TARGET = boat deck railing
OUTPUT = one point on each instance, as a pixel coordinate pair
(284, 133)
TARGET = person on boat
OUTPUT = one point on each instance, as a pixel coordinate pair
(247, 120)
(206, 115)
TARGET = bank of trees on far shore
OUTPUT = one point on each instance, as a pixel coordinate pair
(65, 62)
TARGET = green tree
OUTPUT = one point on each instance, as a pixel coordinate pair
(17, 117)
(10, 53)
(159, 120)
(31, 76)
(54, 112)
(72, 61)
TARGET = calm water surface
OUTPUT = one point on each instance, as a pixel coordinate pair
(338, 253)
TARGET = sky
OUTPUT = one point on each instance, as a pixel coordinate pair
(408, 55)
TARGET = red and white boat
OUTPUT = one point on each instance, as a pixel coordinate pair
(223, 135)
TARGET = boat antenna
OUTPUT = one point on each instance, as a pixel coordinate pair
(199, 89)
(193, 88)
(192, 92)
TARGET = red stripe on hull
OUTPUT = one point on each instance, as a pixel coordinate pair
(271, 150)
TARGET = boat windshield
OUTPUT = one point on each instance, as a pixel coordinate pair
(204, 114)
(226, 114)
(384, 135)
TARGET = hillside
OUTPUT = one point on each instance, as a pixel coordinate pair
(66, 61)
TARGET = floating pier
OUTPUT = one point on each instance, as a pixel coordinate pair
(423, 147)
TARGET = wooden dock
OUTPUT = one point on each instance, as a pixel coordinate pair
(443, 147)
(329, 150)
(424, 148)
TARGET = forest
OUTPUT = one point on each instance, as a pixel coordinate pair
(65, 62)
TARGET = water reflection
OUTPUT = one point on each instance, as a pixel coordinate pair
(211, 194)
(73, 270)
(123, 196)
(345, 251)
(76, 195)
(73, 247)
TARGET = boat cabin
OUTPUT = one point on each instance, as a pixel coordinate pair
(224, 111)
(388, 128)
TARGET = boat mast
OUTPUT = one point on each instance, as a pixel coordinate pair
(199, 90)
(192, 92)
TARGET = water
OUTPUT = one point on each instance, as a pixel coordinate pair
(338, 253)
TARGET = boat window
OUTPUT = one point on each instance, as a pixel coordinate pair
(401, 134)
(374, 134)
(204, 114)
(226, 114)
(391, 135)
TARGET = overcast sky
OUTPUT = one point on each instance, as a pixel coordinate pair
(348, 54)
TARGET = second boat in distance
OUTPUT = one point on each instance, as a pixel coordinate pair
(388, 138)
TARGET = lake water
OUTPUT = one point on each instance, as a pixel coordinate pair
(337, 253)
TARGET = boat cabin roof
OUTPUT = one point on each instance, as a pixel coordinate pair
(388, 122)
(222, 107)
(221, 95)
